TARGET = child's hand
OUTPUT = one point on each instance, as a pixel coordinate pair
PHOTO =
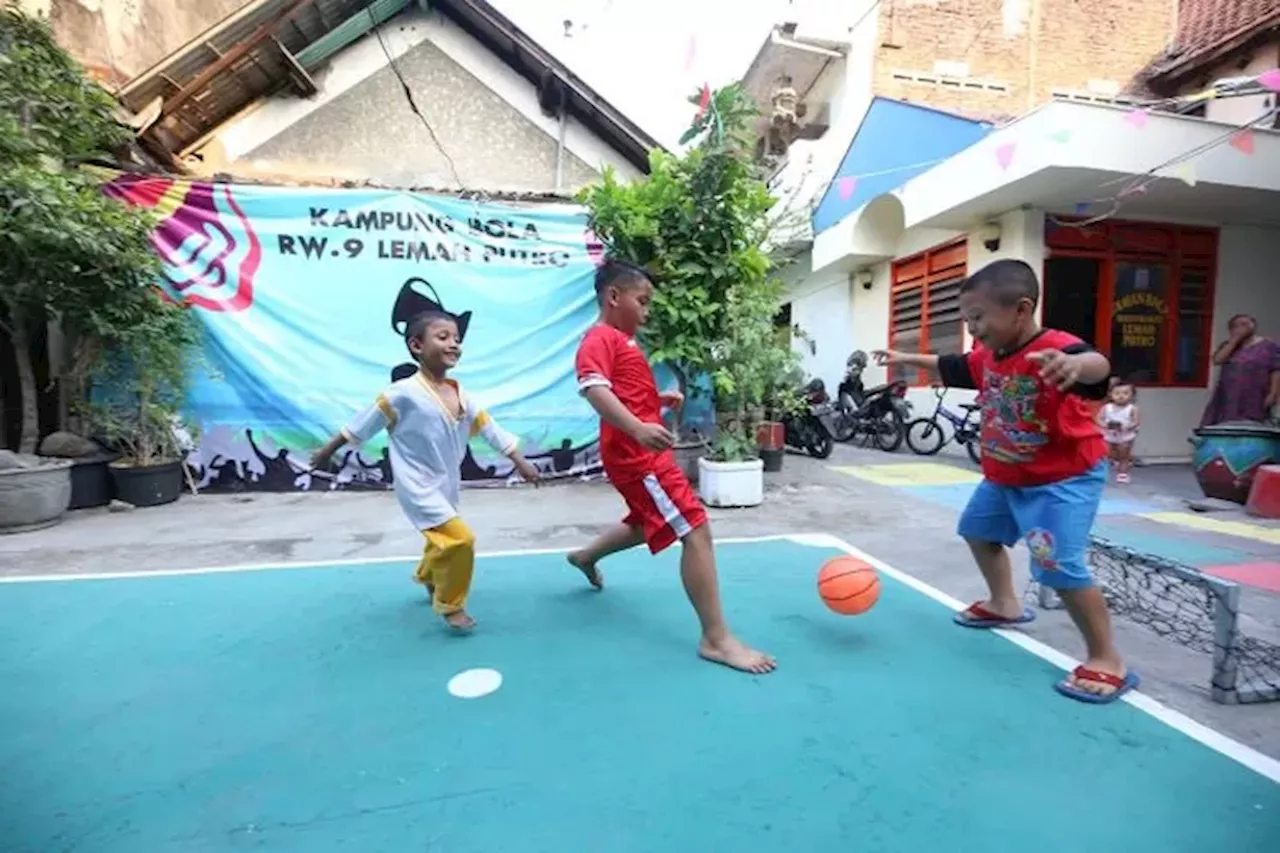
(886, 357)
(1056, 367)
(527, 471)
(654, 436)
(672, 399)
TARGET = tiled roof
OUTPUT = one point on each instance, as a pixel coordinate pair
(1208, 27)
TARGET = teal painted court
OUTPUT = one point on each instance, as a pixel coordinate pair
(306, 709)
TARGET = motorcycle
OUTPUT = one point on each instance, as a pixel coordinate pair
(810, 430)
(879, 414)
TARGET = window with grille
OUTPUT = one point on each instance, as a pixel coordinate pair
(1150, 292)
(924, 312)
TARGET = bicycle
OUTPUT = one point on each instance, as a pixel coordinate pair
(926, 436)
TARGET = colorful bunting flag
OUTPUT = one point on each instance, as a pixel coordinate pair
(1186, 172)
(846, 186)
(1270, 79)
(1243, 141)
(1061, 136)
(1137, 118)
(1082, 208)
(1004, 154)
(690, 52)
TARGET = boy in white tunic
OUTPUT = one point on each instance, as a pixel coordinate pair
(429, 420)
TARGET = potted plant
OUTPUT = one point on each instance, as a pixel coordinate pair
(748, 368)
(141, 386)
(73, 262)
(698, 223)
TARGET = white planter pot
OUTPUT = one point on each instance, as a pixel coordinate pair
(731, 484)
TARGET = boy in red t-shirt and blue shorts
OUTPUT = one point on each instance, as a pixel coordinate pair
(1043, 463)
(635, 447)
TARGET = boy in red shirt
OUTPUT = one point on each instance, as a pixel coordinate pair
(615, 377)
(1042, 463)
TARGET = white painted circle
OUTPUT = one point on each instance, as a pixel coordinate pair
(474, 683)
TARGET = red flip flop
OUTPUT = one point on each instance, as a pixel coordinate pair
(1084, 673)
(977, 616)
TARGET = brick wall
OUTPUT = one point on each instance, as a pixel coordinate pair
(1001, 58)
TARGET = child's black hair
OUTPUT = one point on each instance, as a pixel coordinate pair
(1008, 281)
(620, 274)
(1117, 381)
(417, 327)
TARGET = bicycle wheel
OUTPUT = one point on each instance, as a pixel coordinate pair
(974, 446)
(925, 436)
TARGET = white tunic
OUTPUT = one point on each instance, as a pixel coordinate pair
(427, 445)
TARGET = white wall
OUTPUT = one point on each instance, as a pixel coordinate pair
(1247, 283)
(1241, 110)
(812, 163)
(360, 60)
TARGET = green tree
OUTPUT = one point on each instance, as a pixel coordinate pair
(701, 222)
(67, 251)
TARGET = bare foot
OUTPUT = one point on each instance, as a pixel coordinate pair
(459, 621)
(587, 568)
(732, 653)
(1105, 666)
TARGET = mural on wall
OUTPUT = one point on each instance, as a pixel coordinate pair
(304, 295)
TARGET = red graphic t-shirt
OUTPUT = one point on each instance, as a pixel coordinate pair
(1032, 433)
(609, 358)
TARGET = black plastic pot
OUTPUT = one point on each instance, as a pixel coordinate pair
(772, 460)
(150, 485)
(91, 483)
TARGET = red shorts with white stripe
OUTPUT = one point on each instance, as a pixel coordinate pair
(662, 504)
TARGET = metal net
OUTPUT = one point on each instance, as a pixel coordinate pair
(1195, 610)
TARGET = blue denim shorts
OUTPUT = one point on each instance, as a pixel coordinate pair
(1054, 520)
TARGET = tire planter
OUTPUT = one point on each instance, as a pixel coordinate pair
(91, 483)
(1228, 455)
(34, 498)
(731, 484)
(151, 485)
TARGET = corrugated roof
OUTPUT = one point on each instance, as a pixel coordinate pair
(254, 73)
(269, 44)
(1208, 30)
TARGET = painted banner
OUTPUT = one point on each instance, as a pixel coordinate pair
(304, 295)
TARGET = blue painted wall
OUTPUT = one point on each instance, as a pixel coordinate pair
(891, 144)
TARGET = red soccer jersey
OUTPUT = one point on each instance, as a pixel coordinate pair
(1032, 433)
(608, 357)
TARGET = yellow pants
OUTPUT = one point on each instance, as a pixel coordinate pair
(448, 561)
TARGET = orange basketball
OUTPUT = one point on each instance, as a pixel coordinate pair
(848, 585)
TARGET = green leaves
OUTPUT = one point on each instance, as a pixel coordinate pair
(699, 223)
(66, 249)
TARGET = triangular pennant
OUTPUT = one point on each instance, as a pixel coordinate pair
(1137, 118)
(705, 101)
(1243, 141)
(1004, 154)
(1185, 172)
(1061, 136)
(1270, 79)
(846, 186)
(1082, 207)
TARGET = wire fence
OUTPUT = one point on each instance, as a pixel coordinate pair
(1195, 610)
